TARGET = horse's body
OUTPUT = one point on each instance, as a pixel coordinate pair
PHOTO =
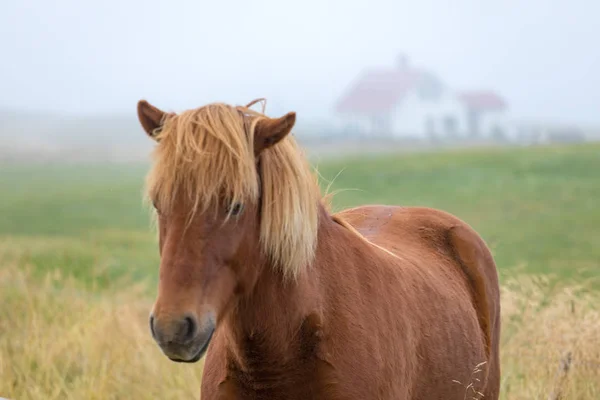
(366, 325)
(291, 302)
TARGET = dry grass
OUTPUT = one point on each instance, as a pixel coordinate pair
(60, 342)
(542, 323)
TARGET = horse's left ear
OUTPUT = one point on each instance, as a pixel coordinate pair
(269, 131)
(151, 118)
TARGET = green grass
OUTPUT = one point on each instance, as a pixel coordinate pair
(87, 221)
(70, 199)
(538, 208)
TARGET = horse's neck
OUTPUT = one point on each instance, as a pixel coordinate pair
(277, 318)
(271, 343)
(269, 318)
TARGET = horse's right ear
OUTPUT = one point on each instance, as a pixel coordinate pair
(151, 118)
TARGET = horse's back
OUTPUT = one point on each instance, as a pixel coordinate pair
(424, 232)
(399, 227)
(427, 234)
(450, 250)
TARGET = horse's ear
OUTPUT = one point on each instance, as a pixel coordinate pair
(151, 118)
(270, 131)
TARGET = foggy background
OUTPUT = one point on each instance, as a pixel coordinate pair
(73, 71)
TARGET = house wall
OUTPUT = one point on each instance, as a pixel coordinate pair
(424, 119)
(492, 122)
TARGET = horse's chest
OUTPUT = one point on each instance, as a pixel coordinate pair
(276, 381)
(293, 373)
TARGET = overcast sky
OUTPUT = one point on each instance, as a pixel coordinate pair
(83, 56)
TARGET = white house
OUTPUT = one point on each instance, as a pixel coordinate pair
(413, 102)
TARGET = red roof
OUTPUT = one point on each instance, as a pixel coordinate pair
(483, 100)
(378, 90)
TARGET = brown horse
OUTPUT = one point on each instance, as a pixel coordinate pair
(289, 301)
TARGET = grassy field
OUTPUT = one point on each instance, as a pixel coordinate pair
(79, 261)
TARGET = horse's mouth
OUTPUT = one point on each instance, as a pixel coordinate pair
(199, 354)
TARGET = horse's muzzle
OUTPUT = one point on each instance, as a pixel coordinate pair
(183, 340)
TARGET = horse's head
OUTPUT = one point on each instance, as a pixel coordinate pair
(222, 213)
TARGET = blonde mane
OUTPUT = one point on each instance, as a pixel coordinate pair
(207, 155)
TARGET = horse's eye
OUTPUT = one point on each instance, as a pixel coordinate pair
(235, 209)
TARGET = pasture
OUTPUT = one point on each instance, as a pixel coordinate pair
(79, 264)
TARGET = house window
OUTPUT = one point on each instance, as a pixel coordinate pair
(473, 121)
(450, 125)
(498, 133)
(430, 127)
(380, 125)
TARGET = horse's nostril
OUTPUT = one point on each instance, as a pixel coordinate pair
(152, 326)
(190, 328)
(180, 331)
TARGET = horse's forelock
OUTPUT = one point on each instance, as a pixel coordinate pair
(207, 153)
